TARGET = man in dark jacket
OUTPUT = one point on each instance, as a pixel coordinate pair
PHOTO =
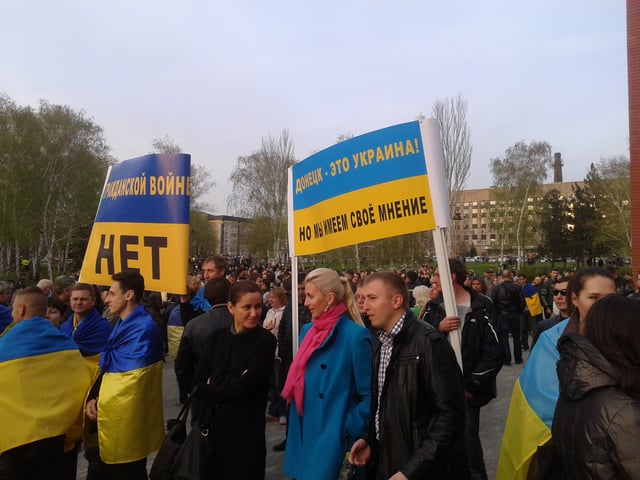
(509, 304)
(196, 332)
(482, 354)
(417, 422)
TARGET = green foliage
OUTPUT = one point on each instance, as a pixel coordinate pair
(52, 169)
(556, 222)
(202, 239)
(610, 185)
(517, 178)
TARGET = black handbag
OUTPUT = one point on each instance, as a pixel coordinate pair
(183, 456)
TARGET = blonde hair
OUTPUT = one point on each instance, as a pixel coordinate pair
(328, 281)
(421, 294)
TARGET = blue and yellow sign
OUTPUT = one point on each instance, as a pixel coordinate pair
(143, 223)
(366, 188)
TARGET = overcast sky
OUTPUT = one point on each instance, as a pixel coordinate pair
(219, 76)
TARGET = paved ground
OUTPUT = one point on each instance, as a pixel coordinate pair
(491, 423)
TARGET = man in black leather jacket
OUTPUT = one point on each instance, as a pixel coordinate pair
(417, 416)
(509, 304)
(482, 354)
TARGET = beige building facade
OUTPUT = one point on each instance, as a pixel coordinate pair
(477, 221)
(231, 234)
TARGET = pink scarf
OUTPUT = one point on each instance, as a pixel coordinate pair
(318, 333)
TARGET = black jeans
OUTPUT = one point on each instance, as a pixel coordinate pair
(510, 324)
(98, 470)
(472, 440)
(34, 461)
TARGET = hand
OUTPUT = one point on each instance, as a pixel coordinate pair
(92, 410)
(468, 396)
(448, 324)
(360, 453)
(398, 476)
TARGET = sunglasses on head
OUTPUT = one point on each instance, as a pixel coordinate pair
(560, 292)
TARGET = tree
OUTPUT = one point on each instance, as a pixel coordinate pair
(609, 182)
(556, 224)
(584, 229)
(451, 114)
(201, 180)
(517, 178)
(47, 148)
(203, 240)
(260, 186)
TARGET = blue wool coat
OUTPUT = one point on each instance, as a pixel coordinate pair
(337, 403)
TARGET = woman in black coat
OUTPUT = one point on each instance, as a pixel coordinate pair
(596, 426)
(238, 362)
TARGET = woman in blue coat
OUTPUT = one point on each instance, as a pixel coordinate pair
(328, 385)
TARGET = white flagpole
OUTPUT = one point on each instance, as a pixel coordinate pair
(294, 265)
(434, 155)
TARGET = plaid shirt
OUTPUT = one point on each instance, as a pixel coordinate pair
(386, 348)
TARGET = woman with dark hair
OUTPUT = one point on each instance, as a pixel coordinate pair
(237, 363)
(596, 427)
(525, 442)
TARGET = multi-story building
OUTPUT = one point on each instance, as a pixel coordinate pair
(476, 220)
(231, 234)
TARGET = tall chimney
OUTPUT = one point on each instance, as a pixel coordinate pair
(557, 168)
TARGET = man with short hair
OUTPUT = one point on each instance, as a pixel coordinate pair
(37, 408)
(5, 311)
(62, 289)
(126, 400)
(482, 354)
(213, 267)
(86, 326)
(508, 303)
(192, 306)
(195, 335)
(560, 293)
(417, 423)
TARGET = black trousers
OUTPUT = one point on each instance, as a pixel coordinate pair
(34, 461)
(510, 324)
(472, 440)
(98, 470)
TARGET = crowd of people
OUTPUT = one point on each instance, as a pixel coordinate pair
(374, 391)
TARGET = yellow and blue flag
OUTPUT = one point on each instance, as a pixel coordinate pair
(43, 380)
(130, 420)
(143, 223)
(533, 403)
(368, 187)
(532, 298)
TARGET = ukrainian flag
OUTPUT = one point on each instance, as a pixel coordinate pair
(532, 298)
(43, 380)
(533, 403)
(130, 421)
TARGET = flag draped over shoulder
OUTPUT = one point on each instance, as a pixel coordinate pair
(91, 334)
(43, 380)
(130, 421)
(532, 298)
(533, 403)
